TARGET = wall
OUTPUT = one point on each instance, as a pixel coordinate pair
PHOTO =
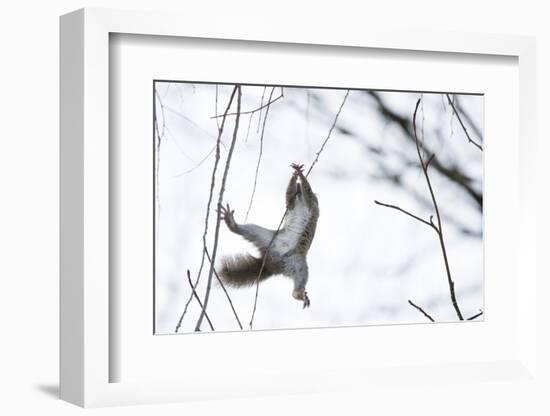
(29, 183)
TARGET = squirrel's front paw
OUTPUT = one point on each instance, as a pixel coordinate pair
(298, 169)
(227, 215)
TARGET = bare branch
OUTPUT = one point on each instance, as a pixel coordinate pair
(259, 155)
(462, 124)
(207, 216)
(162, 107)
(266, 105)
(225, 290)
(197, 298)
(329, 133)
(430, 160)
(264, 259)
(248, 129)
(261, 110)
(216, 107)
(438, 216)
(160, 136)
(262, 267)
(428, 223)
(198, 165)
(467, 118)
(451, 172)
(421, 310)
(438, 228)
(220, 200)
(195, 125)
(477, 315)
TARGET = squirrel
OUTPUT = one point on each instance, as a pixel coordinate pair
(286, 252)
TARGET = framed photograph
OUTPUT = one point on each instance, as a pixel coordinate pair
(322, 202)
(365, 259)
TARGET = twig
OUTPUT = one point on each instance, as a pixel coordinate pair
(467, 118)
(216, 107)
(421, 310)
(161, 105)
(204, 159)
(451, 172)
(248, 129)
(268, 106)
(477, 315)
(218, 218)
(438, 217)
(261, 110)
(428, 223)
(430, 160)
(207, 216)
(329, 134)
(264, 259)
(462, 124)
(438, 228)
(203, 130)
(160, 136)
(225, 290)
(178, 146)
(197, 298)
(167, 89)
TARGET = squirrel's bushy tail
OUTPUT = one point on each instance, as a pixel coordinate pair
(242, 270)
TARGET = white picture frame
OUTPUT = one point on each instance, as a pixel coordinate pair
(85, 222)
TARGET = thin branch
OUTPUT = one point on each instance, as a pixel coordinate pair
(438, 228)
(216, 108)
(248, 129)
(268, 106)
(160, 136)
(329, 133)
(438, 216)
(204, 159)
(396, 178)
(451, 172)
(462, 124)
(225, 290)
(203, 130)
(264, 259)
(421, 310)
(467, 118)
(197, 298)
(167, 89)
(430, 160)
(477, 315)
(220, 201)
(428, 223)
(174, 139)
(261, 110)
(162, 107)
(207, 216)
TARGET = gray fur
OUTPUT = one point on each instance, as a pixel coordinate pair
(242, 270)
(287, 254)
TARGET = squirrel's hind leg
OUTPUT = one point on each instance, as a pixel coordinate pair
(297, 269)
(301, 295)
